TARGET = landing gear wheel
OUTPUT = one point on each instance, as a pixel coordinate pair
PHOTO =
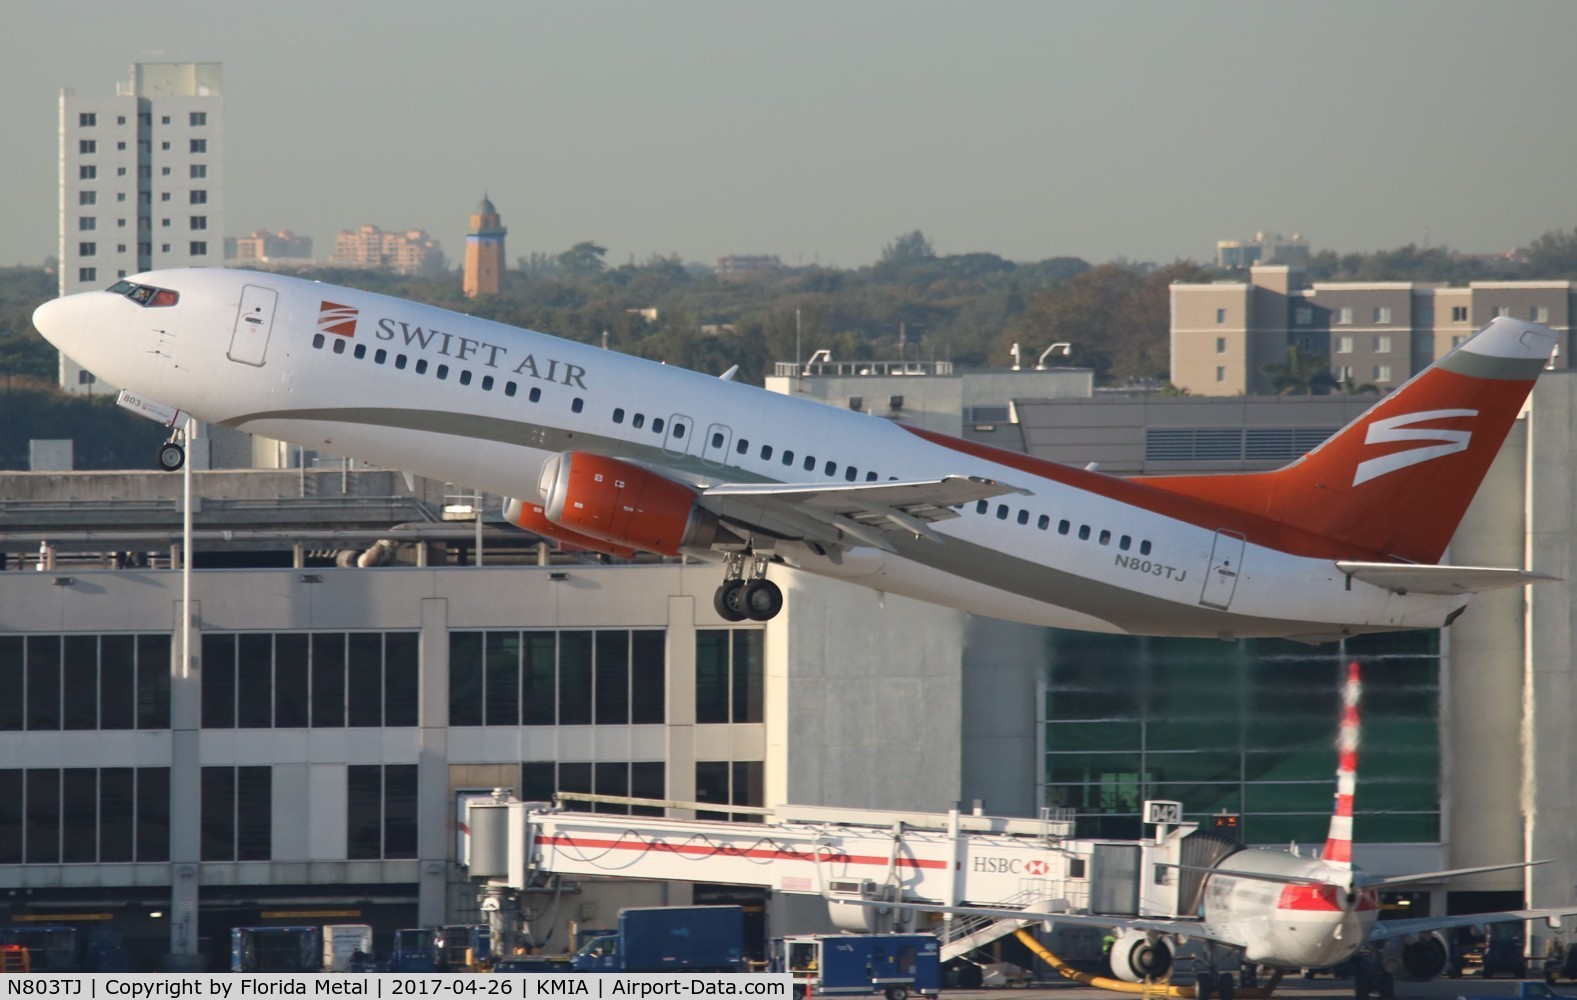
(1225, 986)
(761, 600)
(1204, 986)
(726, 601)
(171, 456)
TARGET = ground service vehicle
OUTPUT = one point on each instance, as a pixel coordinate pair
(1561, 963)
(414, 950)
(858, 964)
(14, 958)
(463, 948)
(669, 939)
(276, 949)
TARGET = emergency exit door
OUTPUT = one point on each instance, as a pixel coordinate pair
(1221, 579)
(253, 322)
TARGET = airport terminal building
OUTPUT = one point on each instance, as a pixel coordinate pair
(298, 753)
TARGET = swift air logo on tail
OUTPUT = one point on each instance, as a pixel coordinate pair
(336, 319)
(1400, 428)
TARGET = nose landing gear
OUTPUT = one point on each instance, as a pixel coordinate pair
(755, 597)
(172, 453)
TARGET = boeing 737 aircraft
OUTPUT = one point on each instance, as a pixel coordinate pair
(619, 454)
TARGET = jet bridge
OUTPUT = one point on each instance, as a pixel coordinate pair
(873, 856)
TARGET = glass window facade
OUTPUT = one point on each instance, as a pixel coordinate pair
(1246, 727)
(572, 677)
(541, 780)
(85, 682)
(288, 680)
(729, 675)
(83, 815)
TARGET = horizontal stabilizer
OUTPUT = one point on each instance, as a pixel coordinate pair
(1387, 929)
(1410, 578)
(1449, 873)
(1256, 876)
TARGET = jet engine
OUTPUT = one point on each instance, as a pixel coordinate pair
(1422, 958)
(610, 500)
(1136, 957)
(528, 515)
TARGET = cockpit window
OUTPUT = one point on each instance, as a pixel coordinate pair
(145, 295)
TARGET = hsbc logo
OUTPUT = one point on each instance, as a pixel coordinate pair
(338, 320)
(1441, 442)
(1011, 866)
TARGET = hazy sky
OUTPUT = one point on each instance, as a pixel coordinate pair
(819, 131)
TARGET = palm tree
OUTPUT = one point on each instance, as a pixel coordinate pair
(1302, 375)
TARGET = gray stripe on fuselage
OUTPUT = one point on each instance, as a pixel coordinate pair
(1501, 369)
(1128, 610)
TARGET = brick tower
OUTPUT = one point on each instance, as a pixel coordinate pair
(484, 252)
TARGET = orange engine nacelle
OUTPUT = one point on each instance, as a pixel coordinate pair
(528, 515)
(614, 501)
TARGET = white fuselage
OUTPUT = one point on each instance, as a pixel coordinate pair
(1287, 926)
(493, 403)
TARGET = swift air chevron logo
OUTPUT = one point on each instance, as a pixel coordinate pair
(1400, 428)
(336, 319)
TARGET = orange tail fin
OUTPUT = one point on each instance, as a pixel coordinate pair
(1338, 843)
(1395, 482)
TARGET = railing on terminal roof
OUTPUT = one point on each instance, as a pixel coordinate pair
(792, 369)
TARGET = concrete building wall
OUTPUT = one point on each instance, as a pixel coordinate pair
(1210, 351)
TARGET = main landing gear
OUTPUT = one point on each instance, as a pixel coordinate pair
(172, 453)
(739, 598)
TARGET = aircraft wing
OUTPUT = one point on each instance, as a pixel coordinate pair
(1386, 929)
(1182, 927)
(1404, 578)
(858, 513)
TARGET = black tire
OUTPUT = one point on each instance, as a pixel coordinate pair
(761, 600)
(1387, 988)
(726, 601)
(1226, 987)
(171, 456)
(1204, 986)
(897, 993)
(970, 977)
(1362, 985)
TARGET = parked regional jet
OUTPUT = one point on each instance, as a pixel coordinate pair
(1277, 908)
(619, 454)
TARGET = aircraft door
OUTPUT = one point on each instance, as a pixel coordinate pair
(680, 431)
(1221, 579)
(714, 450)
(253, 322)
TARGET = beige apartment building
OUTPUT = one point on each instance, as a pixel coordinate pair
(1225, 335)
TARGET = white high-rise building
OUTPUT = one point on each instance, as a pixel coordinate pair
(141, 180)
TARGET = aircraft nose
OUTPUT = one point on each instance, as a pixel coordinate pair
(62, 322)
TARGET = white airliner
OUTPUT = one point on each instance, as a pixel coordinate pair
(619, 454)
(1280, 909)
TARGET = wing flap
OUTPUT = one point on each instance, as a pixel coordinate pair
(1408, 578)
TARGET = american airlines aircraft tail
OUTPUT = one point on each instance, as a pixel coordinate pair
(619, 454)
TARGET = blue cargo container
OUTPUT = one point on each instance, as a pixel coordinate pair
(669, 939)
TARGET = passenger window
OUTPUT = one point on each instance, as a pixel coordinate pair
(380, 356)
(657, 425)
(1124, 542)
(1023, 516)
(717, 440)
(465, 376)
(870, 477)
(399, 361)
(743, 447)
(1043, 523)
(831, 469)
(1084, 532)
(1144, 548)
(810, 463)
(1062, 527)
(360, 351)
(981, 507)
(851, 474)
(766, 452)
(788, 458)
(443, 371)
(421, 366)
(535, 395)
(339, 346)
(578, 405)
(509, 388)
(487, 383)
(678, 430)
(1106, 537)
(1002, 512)
(618, 414)
(638, 421)
(317, 341)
